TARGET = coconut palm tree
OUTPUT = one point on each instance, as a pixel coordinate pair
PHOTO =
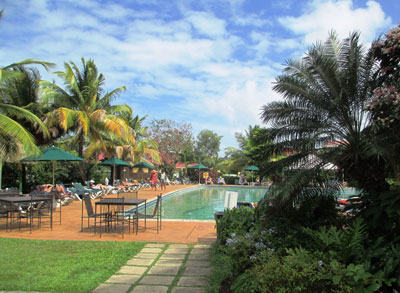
(325, 102)
(84, 109)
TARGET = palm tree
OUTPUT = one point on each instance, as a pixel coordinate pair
(84, 109)
(14, 137)
(134, 151)
(325, 101)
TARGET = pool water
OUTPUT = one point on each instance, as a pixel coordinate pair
(200, 203)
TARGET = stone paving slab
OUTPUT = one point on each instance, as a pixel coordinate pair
(202, 246)
(146, 255)
(192, 282)
(164, 270)
(200, 251)
(157, 280)
(188, 290)
(151, 250)
(199, 257)
(197, 271)
(172, 256)
(112, 288)
(123, 279)
(128, 270)
(177, 250)
(140, 261)
(150, 289)
(198, 263)
(169, 262)
(178, 246)
(154, 245)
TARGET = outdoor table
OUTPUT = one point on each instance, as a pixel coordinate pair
(17, 200)
(127, 202)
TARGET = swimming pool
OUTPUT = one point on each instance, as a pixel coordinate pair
(201, 202)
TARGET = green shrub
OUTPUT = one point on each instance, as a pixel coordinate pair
(230, 179)
(298, 271)
(236, 221)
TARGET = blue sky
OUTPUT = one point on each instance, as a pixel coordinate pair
(207, 62)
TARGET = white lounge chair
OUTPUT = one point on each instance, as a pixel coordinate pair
(231, 198)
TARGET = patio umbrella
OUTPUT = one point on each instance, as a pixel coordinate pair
(199, 167)
(251, 168)
(114, 162)
(143, 165)
(52, 154)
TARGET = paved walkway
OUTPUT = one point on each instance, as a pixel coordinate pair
(70, 229)
(157, 268)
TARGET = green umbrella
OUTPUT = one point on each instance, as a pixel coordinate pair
(143, 165)
(114, 162)
(199, 167)
(251, 168)
(52, 154)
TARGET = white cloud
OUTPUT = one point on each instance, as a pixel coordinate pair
(208, 61)
(207, 24)
(323, 16)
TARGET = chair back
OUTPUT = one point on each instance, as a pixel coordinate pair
(231, 198)
(78, 185)
(117, 204)
(13, 192)
(158, 205)
(128, 194)
(88, 205)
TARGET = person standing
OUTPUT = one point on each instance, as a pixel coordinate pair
(153, 180)
(106, 181)
(163, 179)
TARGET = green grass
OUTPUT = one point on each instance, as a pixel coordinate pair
(60, 266)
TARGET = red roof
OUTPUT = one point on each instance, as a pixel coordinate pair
(180, 165)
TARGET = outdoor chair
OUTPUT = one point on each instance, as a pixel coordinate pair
(90, 214)
(231, 200)
(43, 210)
(128, 194)
(156, 213)
(118, 215)
(13, 192)
(80, 190)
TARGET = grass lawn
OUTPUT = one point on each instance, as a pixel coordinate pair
(60, 266)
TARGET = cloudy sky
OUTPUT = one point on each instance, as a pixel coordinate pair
(207, 62)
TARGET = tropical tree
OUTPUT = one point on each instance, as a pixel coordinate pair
(144, 147)
(173, 139)
(207, 147)
(84, 109)
(15, 139)
(385, 106)
(325, 101)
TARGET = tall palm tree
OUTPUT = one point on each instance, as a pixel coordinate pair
(143, 146)
(325, 101)
(84, 109)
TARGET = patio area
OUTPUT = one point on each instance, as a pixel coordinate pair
(70, 229)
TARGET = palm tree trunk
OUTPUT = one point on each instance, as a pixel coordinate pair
(81, 163)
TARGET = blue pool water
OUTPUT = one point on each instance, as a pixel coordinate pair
(200, 203)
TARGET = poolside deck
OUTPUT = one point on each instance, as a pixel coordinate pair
(176, 232)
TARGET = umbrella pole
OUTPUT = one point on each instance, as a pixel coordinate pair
(54, 166)
(114, 176)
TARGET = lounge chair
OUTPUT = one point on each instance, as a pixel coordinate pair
(80, 190)
(231, 200)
